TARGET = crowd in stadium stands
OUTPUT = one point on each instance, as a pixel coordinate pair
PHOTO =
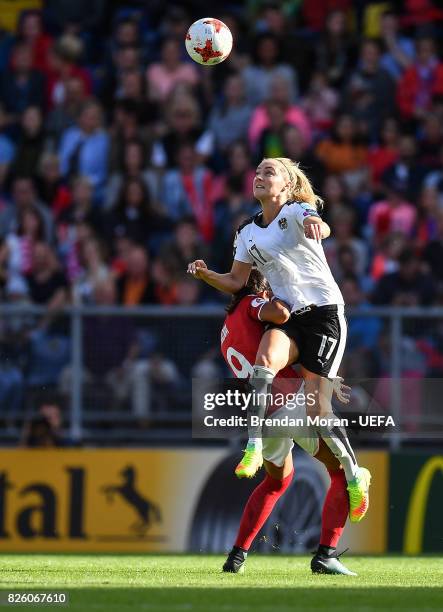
(121, 160)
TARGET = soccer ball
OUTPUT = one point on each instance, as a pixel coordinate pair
(208, 41)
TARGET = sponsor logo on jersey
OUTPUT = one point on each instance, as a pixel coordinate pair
(283, 224)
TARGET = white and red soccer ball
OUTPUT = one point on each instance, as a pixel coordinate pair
(208, 41)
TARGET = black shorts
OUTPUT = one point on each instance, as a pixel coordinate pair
(320, 335)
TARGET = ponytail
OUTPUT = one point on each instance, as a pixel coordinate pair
(300, 188)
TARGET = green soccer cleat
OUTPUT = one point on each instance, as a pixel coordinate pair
(358, 490)
(329, 564)
(251, 462)
(235, 563)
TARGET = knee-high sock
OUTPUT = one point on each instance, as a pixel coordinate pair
(335, 510)
(337, 440)
(259, 507)
(261, 382)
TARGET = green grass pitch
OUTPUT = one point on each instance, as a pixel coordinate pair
(181, 583)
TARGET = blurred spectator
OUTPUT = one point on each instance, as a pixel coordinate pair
(84, 149)
(47, 284)
(23, 197)
(127, 129)
(183, 127)
(370, 92)
(335, 53)
(343, 226)
(164, 276)
(280, 93)
(267, 63)
(164, 75)
(31, 32)
(133, 88)
(271, 143)
(229, 207)
(132, 165)
(135, 214)
(52, 189)
(431, 140)
(30, 231)
(64, 58)
(30, 143)
(421, 81)
(65, 114)
(135, 285)
(126, 59)
(382, 155)
(186, 246)
(155, 385)
(93, 271)
(189, 190)
(426, 225)
(21, 85)
(188, 293)
(398, 50)
(229, 120)
(393, 214)
(127, 32)
(239, 171)
(79, 210)
(387, 254)
(406, 173)
(106, 343)
(45, 428)
(39, 434)
(320, 103)
(343, 152)
(336, 197)
(409, 286)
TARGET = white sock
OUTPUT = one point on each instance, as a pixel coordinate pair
(256, 442)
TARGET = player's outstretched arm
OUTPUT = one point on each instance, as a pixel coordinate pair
(231, 282)
(316, 229)
(275, 312)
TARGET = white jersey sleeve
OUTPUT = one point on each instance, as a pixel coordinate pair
(302, 210)
(241, 253)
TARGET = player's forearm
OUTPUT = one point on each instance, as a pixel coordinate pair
(228, 283)
(313, 225)
(275, 312)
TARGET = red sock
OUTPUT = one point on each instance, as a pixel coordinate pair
(335, 509)
(259, 507)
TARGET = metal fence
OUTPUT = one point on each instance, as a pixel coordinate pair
(184, 341)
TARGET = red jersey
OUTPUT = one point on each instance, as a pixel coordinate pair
(240, 339)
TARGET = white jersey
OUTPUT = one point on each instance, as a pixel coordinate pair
(295, 266)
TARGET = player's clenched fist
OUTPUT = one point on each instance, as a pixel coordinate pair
(197, 268)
